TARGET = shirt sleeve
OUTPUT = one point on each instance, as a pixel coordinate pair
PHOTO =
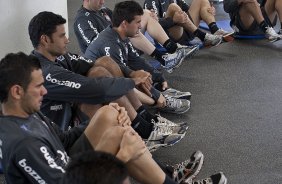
(38, 163)
(68, 86)
(112, 49)
(86, 31)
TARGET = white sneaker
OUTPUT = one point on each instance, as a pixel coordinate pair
(271, 34)
(163, 136)
(178, 128)
(221, 32)
(188, 51)
(212, 40)
(173, 60)
(176, 106)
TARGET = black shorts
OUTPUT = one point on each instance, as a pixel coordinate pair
(81, 144)
(254, 29)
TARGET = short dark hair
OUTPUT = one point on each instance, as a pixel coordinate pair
(126, 10)
(44, 23)
(93, 167)
(16, 69)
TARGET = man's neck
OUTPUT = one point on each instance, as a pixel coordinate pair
(46, 54)
(120, 32)
(11, 109)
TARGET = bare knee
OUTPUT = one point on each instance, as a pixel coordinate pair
(109, 64)
(98, 71)
(108, 114)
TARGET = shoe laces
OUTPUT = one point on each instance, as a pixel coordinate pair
(162, 129)
(164, 121)
(173, 103)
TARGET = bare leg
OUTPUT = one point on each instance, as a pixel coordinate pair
(104, 135)
(123, 101)
(154, 29)
(177, 31)
(250, 12)
(272, 8)
(199, 11)
(115, 71)
(142, 43)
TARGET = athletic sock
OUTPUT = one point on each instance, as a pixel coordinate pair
(158, 55)
(145, 114)
(142, 127)
(170, 46)
(213, 27)
(200, 34)
(263, 25)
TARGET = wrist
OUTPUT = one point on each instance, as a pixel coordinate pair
(122, 156)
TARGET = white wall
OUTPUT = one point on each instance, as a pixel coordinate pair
(14, 19)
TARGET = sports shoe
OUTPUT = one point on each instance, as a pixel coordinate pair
(162, 136)
(271, 34)
(177, 94)
(218, 178)
(188, 169)
(176, 128)
(221, 32)
(189, 51)
(173, 60)
(176, 106)
(212, 40)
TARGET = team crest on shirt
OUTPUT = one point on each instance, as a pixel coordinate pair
(87, 14)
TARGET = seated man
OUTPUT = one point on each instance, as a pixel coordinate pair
(252, 17)
(113, 41)
(181, 21)
(71, 91)
(92, 18)
(35, 150)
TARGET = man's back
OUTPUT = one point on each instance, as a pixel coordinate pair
(30, 149)
(88, 25)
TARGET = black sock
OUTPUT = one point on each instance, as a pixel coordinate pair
(145, 114)
(168, 180)
(158, 55)
(200, 34)
(213, 27)
(263, 25)
(281, 28)
(170, 46)
(142, 127)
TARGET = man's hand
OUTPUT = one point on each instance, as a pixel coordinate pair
(154, 15)
(180, 17)
(143, 80)
(212, 10)
(131, 147)
(123, 118)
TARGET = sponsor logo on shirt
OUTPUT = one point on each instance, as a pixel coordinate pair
(51, 162)
(107, 51)
(63, 83)
(155, 7)
(56, 107)
(94, 29)
(30, 171)
(83, 35)
(76, 58)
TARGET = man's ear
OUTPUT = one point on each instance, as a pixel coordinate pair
(44, 39)
(16, 92)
